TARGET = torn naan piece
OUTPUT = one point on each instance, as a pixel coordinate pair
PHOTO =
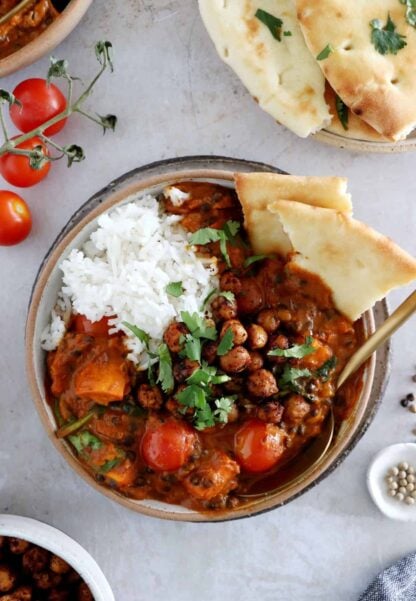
(359, 265)
(256, 190)
(269, 55)
(366, 51)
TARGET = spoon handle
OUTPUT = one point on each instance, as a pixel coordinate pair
(392, 323)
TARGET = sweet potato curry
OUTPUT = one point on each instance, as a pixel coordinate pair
(25, 25)
(232, 399)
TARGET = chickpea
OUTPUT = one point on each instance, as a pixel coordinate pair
(234, 386)
(257, 336)
(268, 320)
(262, 383)
(84, 593)
(173, 335)
(278, 341)
(236, 360)
(7, 579)
(270, 412)
(184, 369)
(238, 330)
(256, 361)
(23, 593)
(209, 351)
(149, 397)
(47, 580)
(18, 546)
(250, 299)
(222, 308)
(296, 408)
(284, 314)
(233, 414)
(35, 559)
(230, 282)
(59, 565)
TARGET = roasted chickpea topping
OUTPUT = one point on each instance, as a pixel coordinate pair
(262, 383)
(222, 308)
(268, 320)
(236, 360)
(150, 397)
(256, 361)
(257, 336)
(271, 412)
(238, 330)
(230, 282)
(184, 369)
(173, 335)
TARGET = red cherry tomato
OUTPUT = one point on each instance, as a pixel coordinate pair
(168, 445)
(82, 325)
(16, 168)
(15, 219)
(40, 102)
(258, 446)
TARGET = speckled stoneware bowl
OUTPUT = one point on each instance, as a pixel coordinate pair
(151, 179)
(361, 145)
(47, 40)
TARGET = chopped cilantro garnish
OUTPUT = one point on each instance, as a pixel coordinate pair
(209, 234)
(175, 289)
(325, 369)
(254, 259)
(138, 332)
(223, 408)
(297, 351)
(207, 375)
(227, 294)
(273, 24)
(191, 348)
(410, 11)
(111, 464)
(342, 111)
(385, 39)
(165, 374)
(325, 53)
(291, 375)
(198, 326)
(226, 343)
(85, 440)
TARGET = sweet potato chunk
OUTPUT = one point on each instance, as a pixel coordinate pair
(103, 381)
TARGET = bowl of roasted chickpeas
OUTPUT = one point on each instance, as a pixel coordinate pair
(40, 563)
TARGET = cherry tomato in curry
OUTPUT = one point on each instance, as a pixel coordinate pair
(167, 445)
(259, 445)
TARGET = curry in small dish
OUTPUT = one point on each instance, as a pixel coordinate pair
(231, 395)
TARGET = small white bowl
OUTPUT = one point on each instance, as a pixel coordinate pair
(60, 544)
(376, 480)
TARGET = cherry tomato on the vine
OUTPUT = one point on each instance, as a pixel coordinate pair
(258, 446)
(167, 445)
(16, 168)
(40, 102)
(15, 219)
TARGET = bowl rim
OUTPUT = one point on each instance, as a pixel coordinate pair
(46, 41)
(54, 540)
(368, 146)
(162, 173)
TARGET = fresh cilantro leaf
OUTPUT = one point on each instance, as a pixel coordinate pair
(209, 234)
(228, 295)
(165, 374)
(273, 24)
(206, 375)
(226, 344)
(410, 11)
(138, 332)
(342, 111)
(175, 289)
(111, 464)
(197, 325)
(325, 53)
(297, 351)
(254, 259)
(223, 408)
(291, 375)
(192, 396)
(85, 440)
(385, 39)
(325, 369)
(191, 348)
(204, 418)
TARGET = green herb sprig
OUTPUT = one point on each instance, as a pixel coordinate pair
(325, 52)
(386, 40)
(206, 235)
(73, 153)
(273, 24)
(297, 351)
(410, 11)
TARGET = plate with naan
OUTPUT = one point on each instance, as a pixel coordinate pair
(343, 72)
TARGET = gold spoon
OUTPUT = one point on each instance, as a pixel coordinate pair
(321, 444)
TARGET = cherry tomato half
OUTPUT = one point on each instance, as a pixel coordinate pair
(168, 445)
(82, 325)
(258, 446)
(15, 219)
(40, 102)
(16, 168)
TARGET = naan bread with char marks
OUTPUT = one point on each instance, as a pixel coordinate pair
(282, 75)
(380, 89)
(256, 191)
(359, 265)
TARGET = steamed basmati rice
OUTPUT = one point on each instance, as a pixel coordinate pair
(123, 271)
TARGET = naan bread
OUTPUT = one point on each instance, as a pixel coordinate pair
(282, 76)
(380, 89)
(257, 190)
(357, 128)
(358, 264)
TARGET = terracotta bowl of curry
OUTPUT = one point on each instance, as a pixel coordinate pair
(35, 29)
(172, 492)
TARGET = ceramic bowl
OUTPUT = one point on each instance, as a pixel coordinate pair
(151, 180)
(357, 145)
(47, 40)
(60, 544)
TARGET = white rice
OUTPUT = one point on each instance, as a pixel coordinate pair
(123, 271)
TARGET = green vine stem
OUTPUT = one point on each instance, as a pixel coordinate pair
(74, 153)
